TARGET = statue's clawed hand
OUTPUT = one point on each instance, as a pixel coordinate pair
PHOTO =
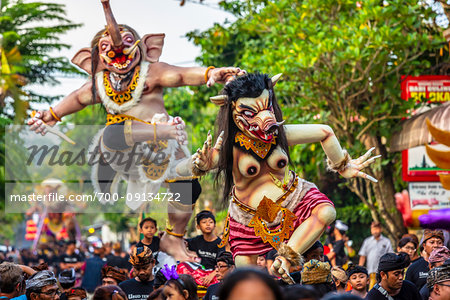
(280, 268)
(206, 158)
(354, 166)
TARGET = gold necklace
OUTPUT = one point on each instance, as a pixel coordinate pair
(123, 96)
(259, 148)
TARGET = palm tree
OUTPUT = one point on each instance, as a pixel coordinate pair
(26, 46)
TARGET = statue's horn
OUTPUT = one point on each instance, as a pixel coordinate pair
(275, 78)
(112, 26)
(219, 100)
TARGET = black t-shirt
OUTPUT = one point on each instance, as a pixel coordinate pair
(407, 292)
(118, 261)
(417, 273)
(207, 251)
(425, 292)
(211, 292)
(154, 246)
(136, 289)
(339, 249)
(70, 259)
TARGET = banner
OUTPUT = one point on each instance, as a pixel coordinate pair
(430, 88)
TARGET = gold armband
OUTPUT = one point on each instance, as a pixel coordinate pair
(339, 167)
(128, 133)
(54, 115)
(206, 72)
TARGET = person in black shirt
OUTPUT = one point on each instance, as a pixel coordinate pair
(358, 277)
(206, 244)
(337, 255)
(118, 258)
(70, 259)
(140, 286)
(148, 227)
(224, 265)
(417, 272)
(391, 285)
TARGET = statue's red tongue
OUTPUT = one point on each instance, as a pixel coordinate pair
(113, 28)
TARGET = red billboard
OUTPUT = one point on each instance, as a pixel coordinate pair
(431, 88)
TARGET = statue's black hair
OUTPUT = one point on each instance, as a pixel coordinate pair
(250, 85)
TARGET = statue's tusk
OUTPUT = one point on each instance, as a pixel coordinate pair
(106, 58)
(275, 78)
(219, 100)
(128, 50)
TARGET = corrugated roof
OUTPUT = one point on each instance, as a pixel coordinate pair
(415, 132)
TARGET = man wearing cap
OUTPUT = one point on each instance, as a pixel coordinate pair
(417, 273)
(140, 286)
(372, 249)
(390, 285)
(358, 277)
(437, 258)
(318, 274)
(339, 278)
(67, 281)
(113, 275)
(438, 282)
(225, 264)
(42, 286)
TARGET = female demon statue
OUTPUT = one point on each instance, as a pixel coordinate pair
(128, 80)
(271, 207)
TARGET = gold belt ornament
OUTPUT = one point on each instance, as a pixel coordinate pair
(226, 232)
(266, 212)
(114, 119)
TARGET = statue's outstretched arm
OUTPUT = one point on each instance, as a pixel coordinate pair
(166, 75)
(72, 103)
(338, 159)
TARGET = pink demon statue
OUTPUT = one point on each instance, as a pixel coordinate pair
(270, 207)
(128, 79)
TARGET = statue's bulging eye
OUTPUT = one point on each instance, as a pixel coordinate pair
(103, 46)
(129, 39)
(248, 113)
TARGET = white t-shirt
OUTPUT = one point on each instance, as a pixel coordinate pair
(373, 249)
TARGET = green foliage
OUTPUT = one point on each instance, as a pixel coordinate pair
(27, 47)
(35, 44)
(342, 63)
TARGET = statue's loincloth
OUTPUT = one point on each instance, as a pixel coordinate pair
(145, 166)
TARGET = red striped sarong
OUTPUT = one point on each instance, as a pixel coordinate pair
(243, 240)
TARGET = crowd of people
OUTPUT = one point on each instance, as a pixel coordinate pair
(412, 270)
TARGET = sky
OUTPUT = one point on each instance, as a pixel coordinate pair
(146, 16)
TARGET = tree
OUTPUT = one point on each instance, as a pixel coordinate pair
(34, 45)
(341, 63)
(26, 58)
